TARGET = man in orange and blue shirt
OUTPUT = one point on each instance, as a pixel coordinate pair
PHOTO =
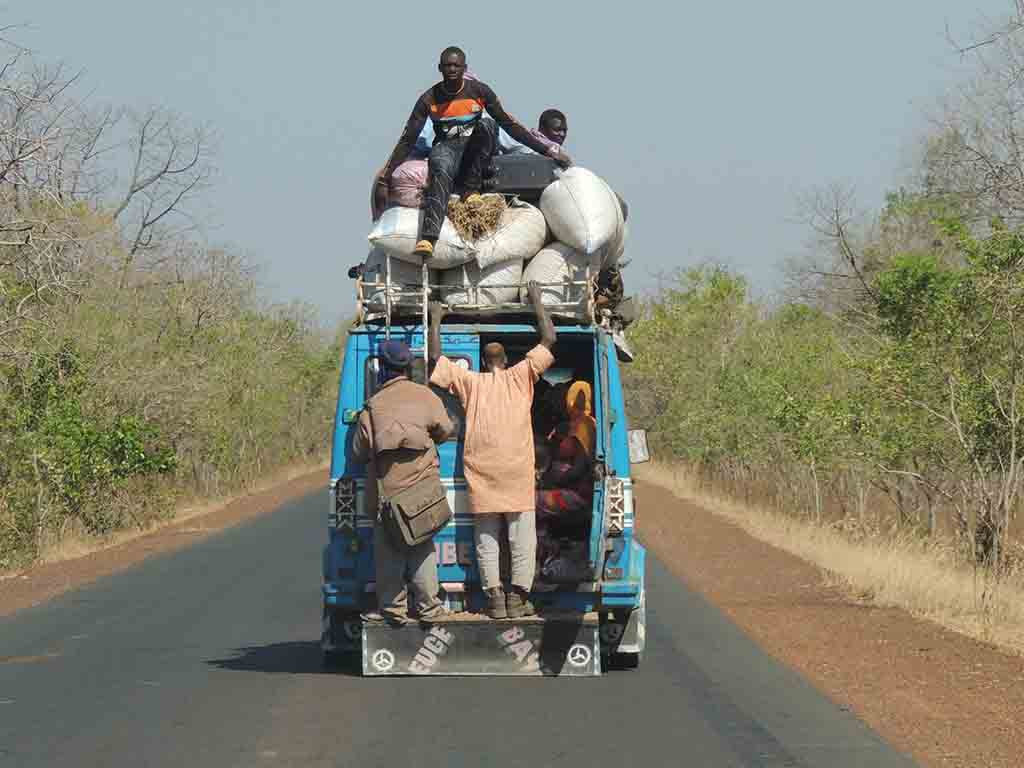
(463, 142)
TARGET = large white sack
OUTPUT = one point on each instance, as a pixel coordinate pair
(461, 280)
(521, 232)
(613, 250)
(406, 281)
(397, 232)
(581, 210)
(557, 267)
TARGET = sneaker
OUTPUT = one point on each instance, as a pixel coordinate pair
(437, 613)
(393, 618)
(424, 249)
(519, 604)
(496, 604)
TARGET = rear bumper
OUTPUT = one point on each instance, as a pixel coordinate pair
(557, 645)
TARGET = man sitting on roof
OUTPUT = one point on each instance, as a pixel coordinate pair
(552, 129)
(462, 145)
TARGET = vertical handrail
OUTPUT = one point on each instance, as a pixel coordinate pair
(360, 300)
(426, 317)
(387, 296)
(588, 296)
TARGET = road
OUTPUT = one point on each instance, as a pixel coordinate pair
(209, 657)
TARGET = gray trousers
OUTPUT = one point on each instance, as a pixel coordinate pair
(397, 565)
(522, 545)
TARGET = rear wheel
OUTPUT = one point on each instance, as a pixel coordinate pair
(340, 638)
(348, 662)
(332, 659)
(624, 661)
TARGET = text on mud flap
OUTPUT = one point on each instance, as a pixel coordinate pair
(522, 650)
(435, 647)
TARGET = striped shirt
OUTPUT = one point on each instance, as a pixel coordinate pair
(456, 115)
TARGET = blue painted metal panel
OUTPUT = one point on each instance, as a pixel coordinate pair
(618, 458)
(348, 393)
(616, 564)
(602, 452)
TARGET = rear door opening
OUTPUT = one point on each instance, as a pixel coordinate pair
(566, 501)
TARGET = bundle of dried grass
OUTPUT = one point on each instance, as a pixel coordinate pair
(477, 217)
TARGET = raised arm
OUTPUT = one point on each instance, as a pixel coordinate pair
(544, 325)
(434, 345)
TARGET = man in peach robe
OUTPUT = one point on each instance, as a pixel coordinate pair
(498, 455)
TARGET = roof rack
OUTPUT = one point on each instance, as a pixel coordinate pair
(387, 301)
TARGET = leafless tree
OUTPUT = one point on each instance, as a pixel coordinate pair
(41, 247)
(33, 122)
(170, 165)
(835, 274)
(994, 32)
(139, 170)
(977, 153)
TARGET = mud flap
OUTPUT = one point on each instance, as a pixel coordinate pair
(564, 646)
(625, 633)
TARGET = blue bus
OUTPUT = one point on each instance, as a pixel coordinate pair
(591, 600)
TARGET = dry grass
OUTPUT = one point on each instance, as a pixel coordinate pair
(924, 579)
(473, 220)
(76, 545)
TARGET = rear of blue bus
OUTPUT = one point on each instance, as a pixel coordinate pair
(600, 574)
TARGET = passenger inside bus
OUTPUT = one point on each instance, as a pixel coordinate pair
(565, 436)
(565, 488)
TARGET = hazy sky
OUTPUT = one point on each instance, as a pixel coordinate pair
(708, 117)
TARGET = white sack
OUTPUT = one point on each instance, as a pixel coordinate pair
(397, 232)
(613, 250)
(508, 273)
(561, 265)
(581, 210)
(521, 232)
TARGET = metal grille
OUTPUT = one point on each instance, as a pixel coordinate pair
(410, 301)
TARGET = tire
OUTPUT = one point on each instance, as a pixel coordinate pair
(622, 661)
(332, 659)
(341, 661)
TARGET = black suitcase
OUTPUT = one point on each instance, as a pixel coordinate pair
(523, 174)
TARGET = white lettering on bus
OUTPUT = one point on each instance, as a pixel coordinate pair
(449, 553)
(435, 646)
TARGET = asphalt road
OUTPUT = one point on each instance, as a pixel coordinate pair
(209, 657)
